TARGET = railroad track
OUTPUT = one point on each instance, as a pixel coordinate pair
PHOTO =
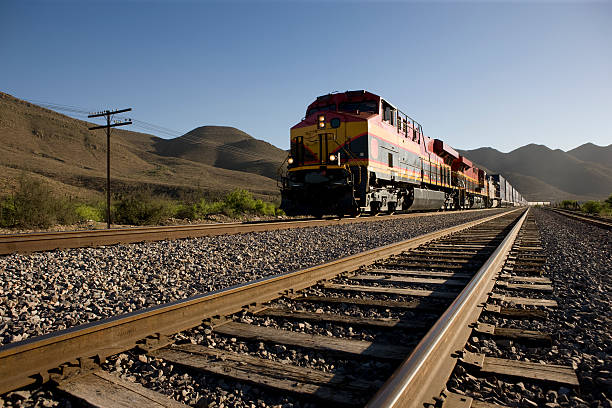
(590, 219)
(391, 319)
(523, 295)
(46, 241)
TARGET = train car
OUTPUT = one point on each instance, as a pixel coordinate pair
(509, 194)
(355, 152)
(491, 188)
(500, 190)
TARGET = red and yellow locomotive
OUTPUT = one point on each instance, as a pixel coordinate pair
(355, 152)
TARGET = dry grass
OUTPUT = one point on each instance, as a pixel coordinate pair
(72, 159)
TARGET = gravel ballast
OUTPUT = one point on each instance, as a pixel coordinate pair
(44, 292)
(579, 262)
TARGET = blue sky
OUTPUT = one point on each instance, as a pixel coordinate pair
(474, 74)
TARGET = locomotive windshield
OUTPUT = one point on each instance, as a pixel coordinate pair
(365, 106)
(317, 109)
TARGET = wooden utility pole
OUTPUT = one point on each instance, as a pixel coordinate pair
(108, 127)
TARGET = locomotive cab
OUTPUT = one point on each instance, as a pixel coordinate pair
(355, 152)
(324, 164)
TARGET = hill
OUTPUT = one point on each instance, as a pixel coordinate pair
(72, 159)
(226, 148)
(542, 174)
(216, 159)
(593, 153)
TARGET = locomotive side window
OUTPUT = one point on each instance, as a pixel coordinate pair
(299, 141)
(364, 106)
(389, 113)
(317, 109)
(294, 147)
(322, 148)
(390, 159)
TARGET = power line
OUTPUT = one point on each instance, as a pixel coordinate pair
(191, 139)
(108, 114)
(151, 127)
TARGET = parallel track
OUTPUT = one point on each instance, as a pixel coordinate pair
(45, 241)
(589, 219)
(457, 268)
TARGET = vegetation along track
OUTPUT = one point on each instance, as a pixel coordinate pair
(589, 219)
(365, 313)
(46, 241)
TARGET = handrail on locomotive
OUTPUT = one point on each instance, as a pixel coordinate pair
(355, 152)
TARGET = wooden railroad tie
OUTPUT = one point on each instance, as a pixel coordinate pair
(380, 323)
(525, 369)
(314, 342)
(103, 389)
(273, 374)
(392, 291)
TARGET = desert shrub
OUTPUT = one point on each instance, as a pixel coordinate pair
(242, 201)
(185, 211)
(33, 204)
(569, 204)
(238, 202)
(204, 208)
(65, 212)
(7, 212)
(90, 212)
(592, 207)
(142, 208)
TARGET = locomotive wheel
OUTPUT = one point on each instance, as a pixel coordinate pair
(354, 212)
(374, 208)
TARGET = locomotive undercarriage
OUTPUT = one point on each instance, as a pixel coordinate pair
(343, 191)
(319, 192)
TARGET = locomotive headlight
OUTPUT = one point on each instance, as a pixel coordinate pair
(332, 157)
(321, 122)
(290, 160)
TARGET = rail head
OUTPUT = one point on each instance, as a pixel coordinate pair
(423, 375)
(28, 361)
(600, 222)
(46, 241)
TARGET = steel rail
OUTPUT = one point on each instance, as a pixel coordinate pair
(423, 375)
(607, 224)
(25, 362)
(46, 241)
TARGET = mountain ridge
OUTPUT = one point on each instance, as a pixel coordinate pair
(543, 174)
(225, 147)
(215, 159)
(43, 143)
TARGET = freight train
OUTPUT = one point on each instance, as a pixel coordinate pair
(354, 152)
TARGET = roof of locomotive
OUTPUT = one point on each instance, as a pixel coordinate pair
(348, 96)
(363, 95)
